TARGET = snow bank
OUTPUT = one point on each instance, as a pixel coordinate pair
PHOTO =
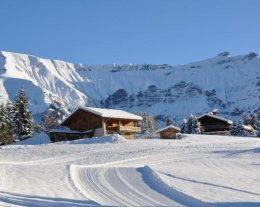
(98, 140)
(43, 138)
(38, 139)
(152, 179)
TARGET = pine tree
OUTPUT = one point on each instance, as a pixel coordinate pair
(10, 114)
(250, 119)
(169, 121)
(2, 121)
(257, 113)
(22, 116)
(238, 130)
(52, 118)
(188, 125)
(191, 125)
(148, 125)
(195, 126)
(183, 126)
(6, 133)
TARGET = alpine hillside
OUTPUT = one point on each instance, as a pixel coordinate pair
(230, 84)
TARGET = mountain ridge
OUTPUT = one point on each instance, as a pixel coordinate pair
(229, 83)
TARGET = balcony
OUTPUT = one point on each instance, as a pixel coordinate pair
(129, 129)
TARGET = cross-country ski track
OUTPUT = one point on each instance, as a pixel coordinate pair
(195, 171)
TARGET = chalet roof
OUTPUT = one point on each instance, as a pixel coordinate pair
(68, 131)
(168, 127)
(215, 117)
(108, 113)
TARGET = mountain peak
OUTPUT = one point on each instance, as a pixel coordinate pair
(198, 87)
(225, 54)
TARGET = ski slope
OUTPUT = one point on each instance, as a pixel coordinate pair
(198, 170)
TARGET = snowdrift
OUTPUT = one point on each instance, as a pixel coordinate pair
(98, 140)
(43, 138)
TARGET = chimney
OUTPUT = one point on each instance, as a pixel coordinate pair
(214, 112)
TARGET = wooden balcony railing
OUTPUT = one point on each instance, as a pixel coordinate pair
(129, 129)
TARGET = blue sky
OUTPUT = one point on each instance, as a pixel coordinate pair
(129, 31)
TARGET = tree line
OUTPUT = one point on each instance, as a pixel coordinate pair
(16, 121)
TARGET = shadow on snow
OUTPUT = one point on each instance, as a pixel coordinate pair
(40, 201)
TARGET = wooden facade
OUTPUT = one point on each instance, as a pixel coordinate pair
(57, 136)
(169, 132)
(96, 125)
(124, 127)
(211, 124)
(83, 120)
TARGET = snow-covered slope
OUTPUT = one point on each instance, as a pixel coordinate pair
(198, 170)
(231, 84)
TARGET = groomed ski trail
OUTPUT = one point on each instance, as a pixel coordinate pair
(128, 186)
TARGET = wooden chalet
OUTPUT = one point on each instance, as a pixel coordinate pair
(169, 132)
(213, 124)
(96, 122)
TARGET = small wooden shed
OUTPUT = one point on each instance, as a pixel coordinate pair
(168, 132)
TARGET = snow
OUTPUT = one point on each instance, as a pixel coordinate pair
(41, 138)
(216, 117)
(248, 127)
(94, 140)
(170, 126)
(199, 170)
(65, 131)
(108, 113)
(235, 80)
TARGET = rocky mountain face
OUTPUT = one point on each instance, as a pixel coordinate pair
(230, 84)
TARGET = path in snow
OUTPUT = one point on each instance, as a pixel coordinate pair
(128, 186)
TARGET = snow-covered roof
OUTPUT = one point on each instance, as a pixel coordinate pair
(108, 113)
(248, 128)
(216, 117)
(68, 131)
(168, 127)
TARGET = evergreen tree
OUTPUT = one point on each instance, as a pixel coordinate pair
(257, 113)
(191, 125)
(188, 126)
(195, 126)
(22, 116)
(6, 134)
(237, 129)
(2, 121)
(183, 126)
(169, 121)
(148, 125)
(10, 114)
(250, 119)
(52, 118)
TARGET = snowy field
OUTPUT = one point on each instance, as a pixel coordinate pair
(198, 170)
